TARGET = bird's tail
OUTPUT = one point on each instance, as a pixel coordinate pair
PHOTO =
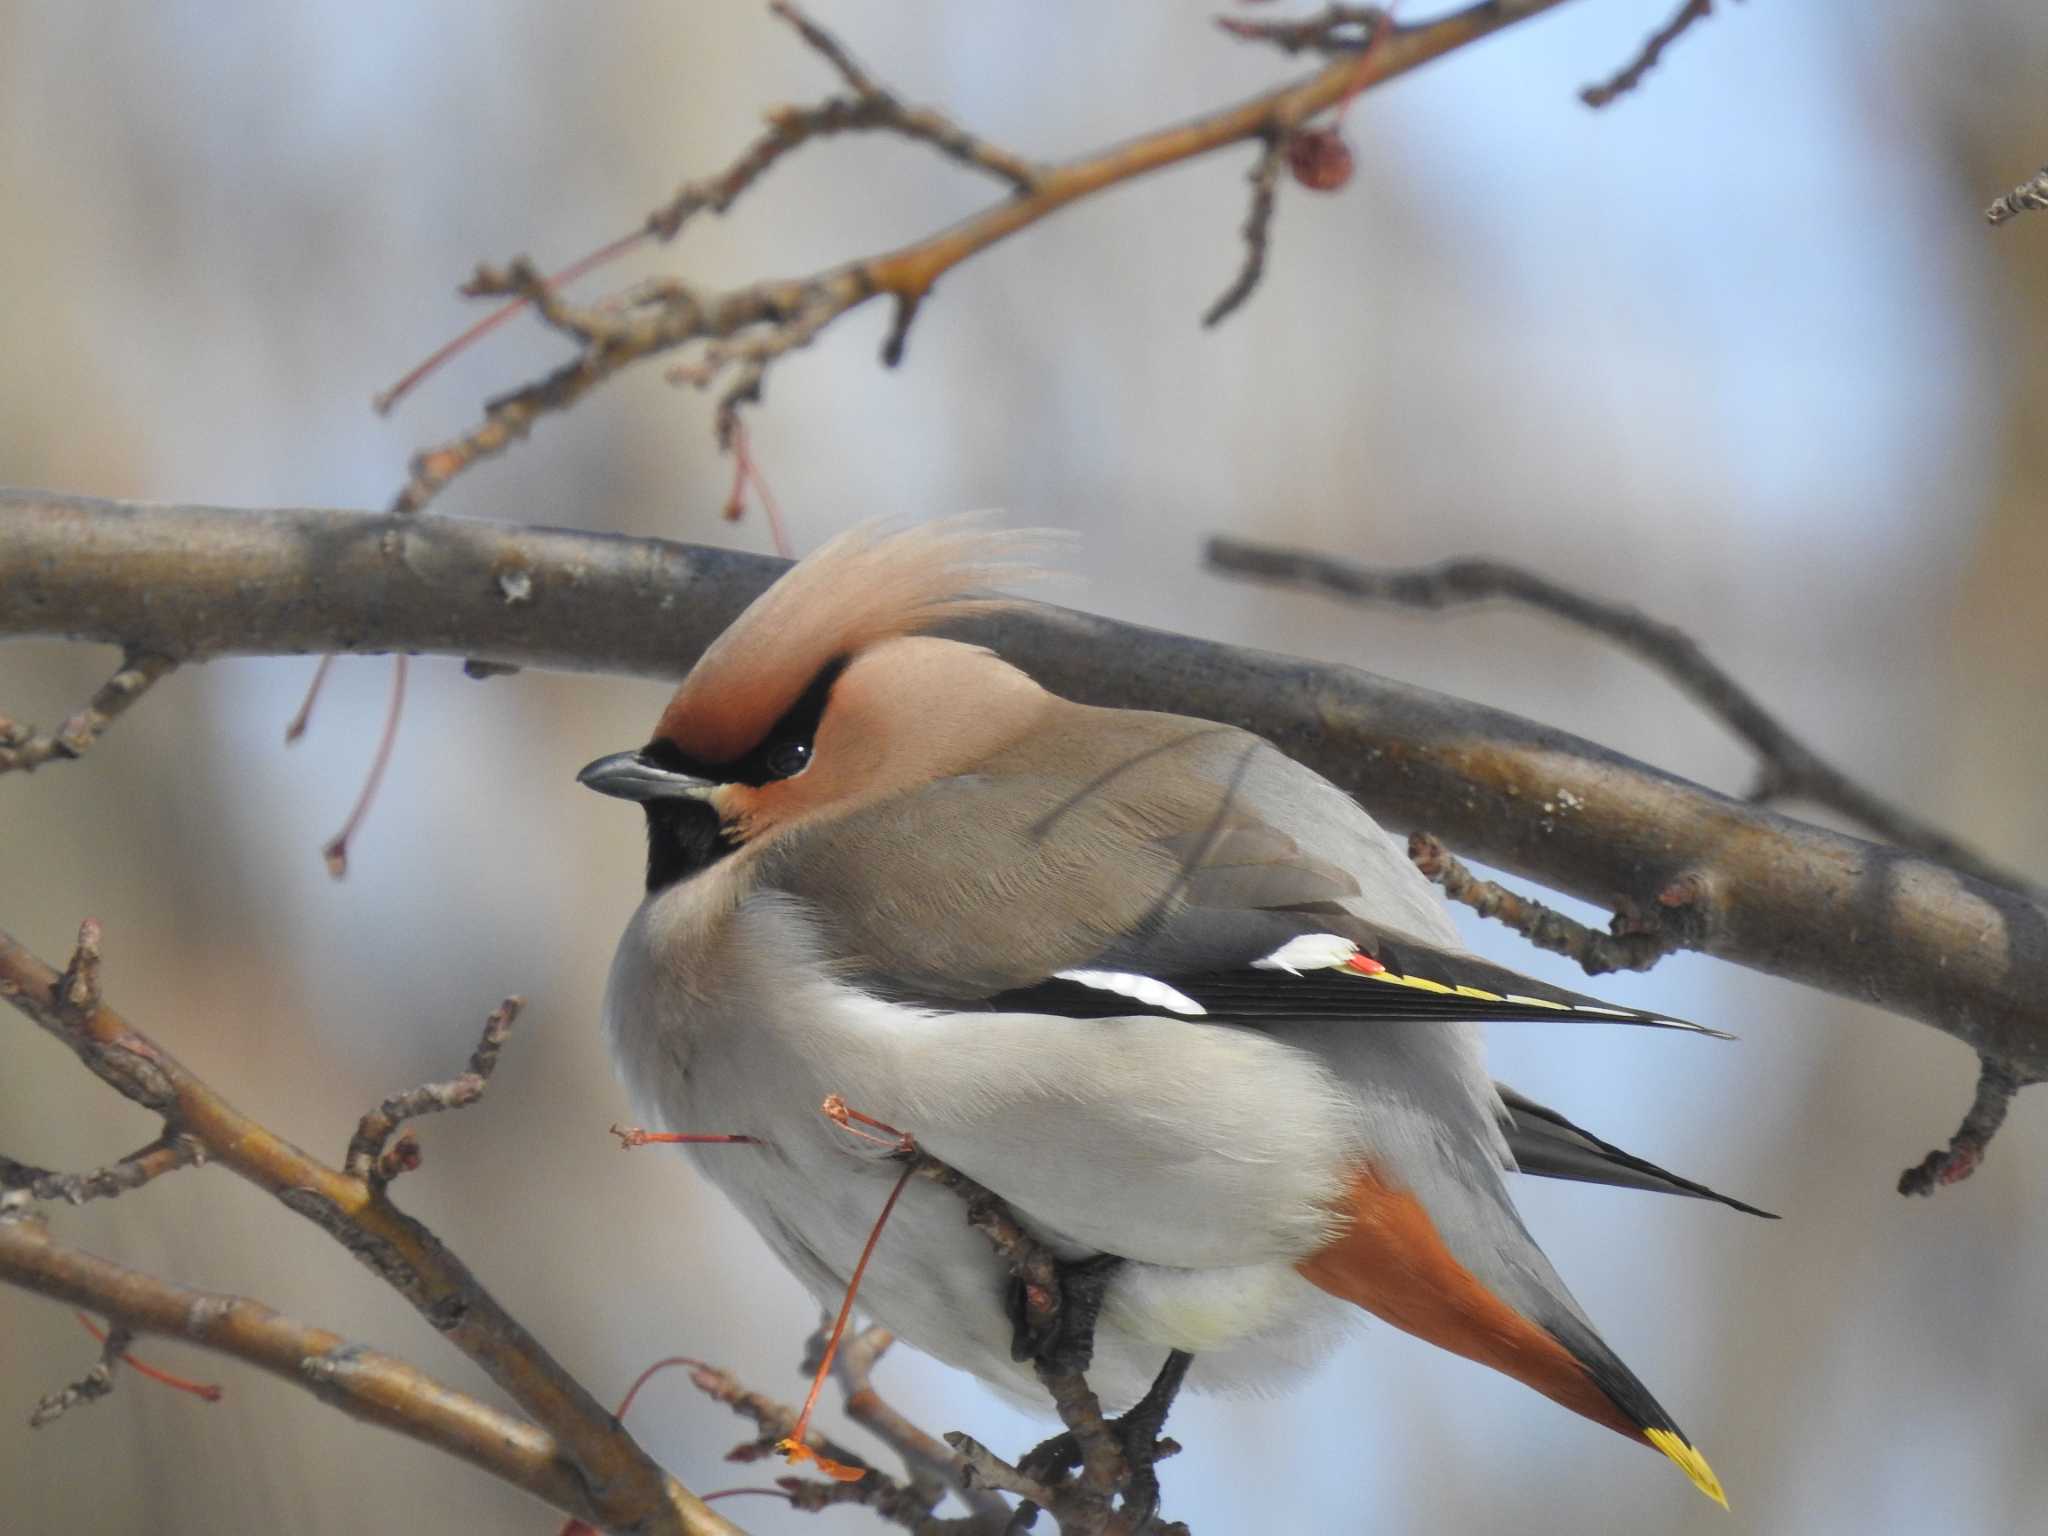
(1390, 1258)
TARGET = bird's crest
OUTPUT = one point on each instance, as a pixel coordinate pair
(870, 584)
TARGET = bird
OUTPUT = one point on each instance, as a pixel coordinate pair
(1175, 998)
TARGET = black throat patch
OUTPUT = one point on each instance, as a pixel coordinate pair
(685, 835)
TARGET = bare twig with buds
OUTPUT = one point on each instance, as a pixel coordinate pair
(93, 1385)
(742, 332)
(618, 1485)
(164, 1155)
(1632, 943)
(1997, 1082)
(1630, 75)
(1788, 769)
(2030, 196)
(368, 1154)
(24, 748)
(373, 1387)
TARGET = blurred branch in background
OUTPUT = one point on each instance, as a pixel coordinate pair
(1788, 769)
(746, 330)
(1630, 75)
(25, 748)
(1884, 925)
(2029, 196)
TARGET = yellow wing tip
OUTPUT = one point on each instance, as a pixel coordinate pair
(1690, 1461)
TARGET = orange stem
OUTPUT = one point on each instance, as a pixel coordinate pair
(793, 1448)
(385, 401)
(205, 1389)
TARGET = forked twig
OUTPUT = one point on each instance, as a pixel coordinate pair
(1788, 768)
(24, 749)
(742, 332)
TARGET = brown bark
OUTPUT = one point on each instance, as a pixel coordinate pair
(1772, 893)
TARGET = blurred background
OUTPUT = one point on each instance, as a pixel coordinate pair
(1739, 350)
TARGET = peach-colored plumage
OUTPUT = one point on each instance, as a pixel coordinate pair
(870, 584)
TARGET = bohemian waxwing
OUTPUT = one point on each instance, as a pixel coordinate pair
(1171, 995)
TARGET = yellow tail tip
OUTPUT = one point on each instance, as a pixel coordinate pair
(1690, 1461)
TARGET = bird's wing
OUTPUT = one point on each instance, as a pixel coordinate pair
(1148, 877)
(1546, 1144)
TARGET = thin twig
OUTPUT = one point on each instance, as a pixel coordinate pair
(366, 1147)
(1789, 769)
(1996, 1085)
(385, 399)
(91, 1387)
(925, 1457)
(1635, 943)
(164, 1155)
(1630, 75)
(205, 1391)
(1258, 225)
(776, 1422)
(1337, 29)
(366, 1385)
(24, 748)
(744, 331)
(2030, 196)
(627, 1488)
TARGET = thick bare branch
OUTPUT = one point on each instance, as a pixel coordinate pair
(628, 1490)
(2030, 196)
(25, 748)
(1782, 896)
(745, 330)
(1790, 770)
(373, 1387)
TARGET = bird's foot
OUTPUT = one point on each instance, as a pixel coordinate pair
(1137, 1433)
(1058, 1331)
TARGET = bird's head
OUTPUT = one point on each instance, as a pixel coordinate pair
(823, 696)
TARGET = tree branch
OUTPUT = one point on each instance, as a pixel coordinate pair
(1781, 896)
(366, 1149)
(924, 1456)
(1790, 770)
(626, 1489)
(25, 748)
(93, 1385)
(1630, 75)
(1996, 1085)
(1633, 943)
(2030, 196)
(164, 1155)
(375, 1388)
(745, 330)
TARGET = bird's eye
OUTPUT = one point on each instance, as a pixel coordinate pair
(787, 759)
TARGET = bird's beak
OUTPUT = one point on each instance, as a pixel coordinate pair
(631, 776)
